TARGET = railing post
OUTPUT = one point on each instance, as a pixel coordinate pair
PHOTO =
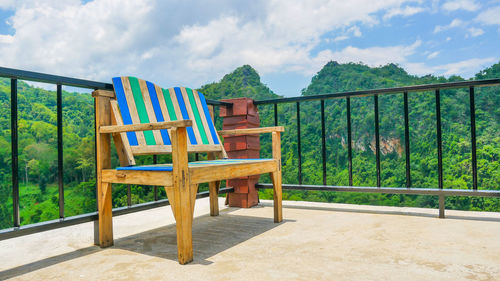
(14, 152)
(299, 144)
(441, 206)
(377, 139)
(323, 140)
(243, 114)
(60, 151)
(407, 140)
(349, 138)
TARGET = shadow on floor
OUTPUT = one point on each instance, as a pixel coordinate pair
(389, 212)
(211, 235)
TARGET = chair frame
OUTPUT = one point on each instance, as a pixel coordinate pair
(182, 182)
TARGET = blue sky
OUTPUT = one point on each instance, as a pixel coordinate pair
(196, 42)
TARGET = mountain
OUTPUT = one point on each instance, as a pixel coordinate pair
(244, 81)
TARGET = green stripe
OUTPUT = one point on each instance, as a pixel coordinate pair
(141, 109)
(170, 105)
(197, 116)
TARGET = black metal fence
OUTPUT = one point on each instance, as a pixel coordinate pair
(60, 81)
(471, 85)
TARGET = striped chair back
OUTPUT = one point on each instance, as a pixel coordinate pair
(139, 101)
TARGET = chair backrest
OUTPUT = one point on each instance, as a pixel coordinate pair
(139, 101)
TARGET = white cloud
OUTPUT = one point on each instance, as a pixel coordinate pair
(7, 4)
(490, 16)
(355, 31)
(340, 38)
(158, 41)
(192, 42)
(405, 12)
(474, 32)
(6, 39)
(465, 68)
(454, 23)
(467, 5)
(433, 55)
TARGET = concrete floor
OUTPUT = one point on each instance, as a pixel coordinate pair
(316, 241)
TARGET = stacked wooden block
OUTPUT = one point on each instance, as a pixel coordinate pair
(242, 115)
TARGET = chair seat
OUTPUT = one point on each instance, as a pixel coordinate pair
(168, 167)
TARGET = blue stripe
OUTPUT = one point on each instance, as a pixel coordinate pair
(185, 115)
(122, 103)
(146, 168)
(209, 118)
(156, 107)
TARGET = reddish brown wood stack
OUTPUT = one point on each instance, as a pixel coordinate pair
(242, 115)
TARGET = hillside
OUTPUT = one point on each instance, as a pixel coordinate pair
(37, 141)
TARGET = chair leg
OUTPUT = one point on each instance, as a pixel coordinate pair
(277, 196)
(213, 188)
(105, 215)
(182, 202)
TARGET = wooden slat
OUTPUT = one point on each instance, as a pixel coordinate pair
(223, 153)
(105, 209)
(252, 131)
(163, 178)
(182, 196)
(149, 109)
(163, 106)
(103, 161)
(189, 110)
(133, 109)
(203, 117)
(276, 178)
(103, 93)
(165, 149)
(221, 172)
(144, 127)
(121, 140)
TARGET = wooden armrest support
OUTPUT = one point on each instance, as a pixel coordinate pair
(252, 131)
(145, 126)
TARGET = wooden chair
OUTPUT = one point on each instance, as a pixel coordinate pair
(145, 119)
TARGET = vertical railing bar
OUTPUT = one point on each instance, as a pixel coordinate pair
(323, 140)
(60, 151)
(276, 114)
(377, 139)
(349, 139)
(439, 139)
(129, 195)
(196, 157)
(155, 188)
(473, 137)
(407, 140)
(14, 152)
(299, 147)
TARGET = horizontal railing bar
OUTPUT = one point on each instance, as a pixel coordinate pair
(397, 90)
(73, 220)
(69, 81)
(53, 79)
(392, 190)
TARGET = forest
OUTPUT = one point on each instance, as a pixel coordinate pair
(38, 141)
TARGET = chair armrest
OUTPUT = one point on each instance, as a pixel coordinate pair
(145, 126)
(252, 131)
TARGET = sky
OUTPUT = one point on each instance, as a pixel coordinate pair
(191, 43)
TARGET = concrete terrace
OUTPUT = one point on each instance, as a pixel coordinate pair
(316, 241)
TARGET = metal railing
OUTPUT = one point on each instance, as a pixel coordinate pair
(60, 81)
(375, 93)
